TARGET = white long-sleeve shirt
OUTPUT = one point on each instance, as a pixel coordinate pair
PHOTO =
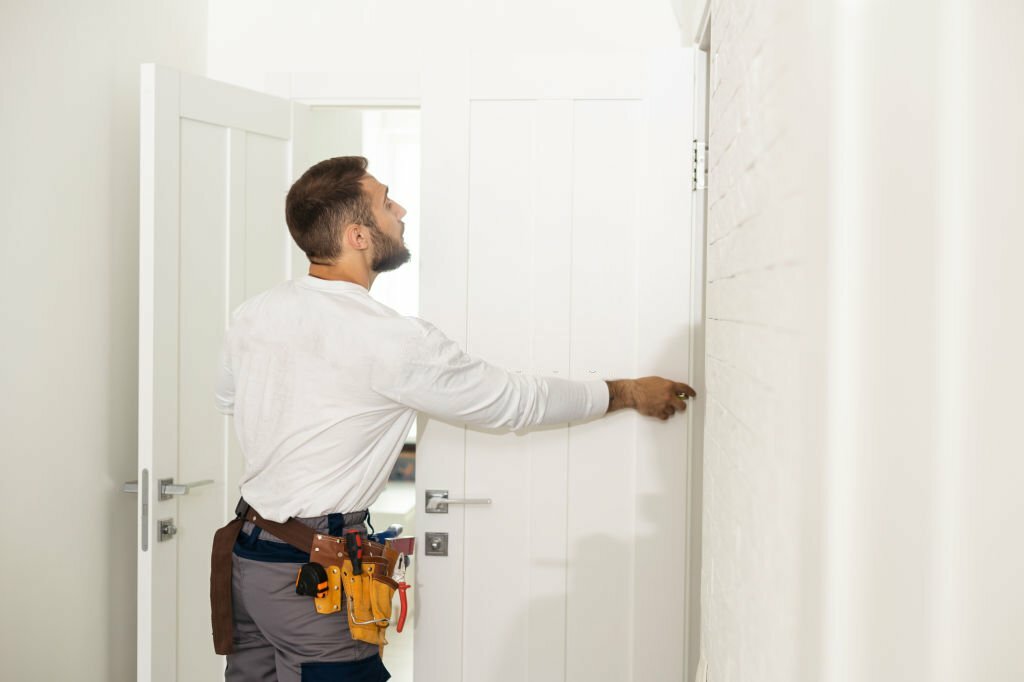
(324, 384)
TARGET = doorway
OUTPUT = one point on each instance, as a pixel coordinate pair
(389, 138)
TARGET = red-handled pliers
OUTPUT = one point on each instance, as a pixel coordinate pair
(402, 587)
(399, 577)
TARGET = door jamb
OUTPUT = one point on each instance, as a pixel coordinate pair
(695, 666)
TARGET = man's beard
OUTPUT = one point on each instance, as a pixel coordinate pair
(388, 253)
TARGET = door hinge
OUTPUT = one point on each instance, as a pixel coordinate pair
(700, 165)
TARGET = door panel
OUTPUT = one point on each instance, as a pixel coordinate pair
(501, 230)
(576, 231)
(202, 299)
(514, 308)
(267, 242)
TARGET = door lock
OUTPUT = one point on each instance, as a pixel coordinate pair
(437, 544)
(167, 530)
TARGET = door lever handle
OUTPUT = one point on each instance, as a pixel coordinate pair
(130, 487)
(438, 501)
(169, 488)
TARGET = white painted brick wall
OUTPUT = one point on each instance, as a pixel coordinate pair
(864, 218)
(760, 314)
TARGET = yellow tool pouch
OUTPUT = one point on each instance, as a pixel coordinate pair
(331, 603)
(368, 598)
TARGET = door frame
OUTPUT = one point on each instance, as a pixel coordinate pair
(350, 90)
(695, 668)
(403, 90)
(361, 89)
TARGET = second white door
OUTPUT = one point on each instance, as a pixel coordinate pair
(557, 241)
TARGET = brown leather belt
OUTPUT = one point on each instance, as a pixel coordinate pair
(293, 532)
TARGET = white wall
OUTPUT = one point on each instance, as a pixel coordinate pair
(932, 461)
(863, 461)
(981, 403)
(251, 39)
(762, 471)
(69, 295)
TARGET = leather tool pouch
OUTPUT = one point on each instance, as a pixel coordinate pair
(328, 551)
(372, 591)
(366, 598)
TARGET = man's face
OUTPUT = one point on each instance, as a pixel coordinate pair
(389, 250)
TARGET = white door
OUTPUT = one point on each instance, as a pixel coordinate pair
(214, 173)
(557, 240)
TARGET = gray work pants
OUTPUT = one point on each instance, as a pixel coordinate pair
(279, 636)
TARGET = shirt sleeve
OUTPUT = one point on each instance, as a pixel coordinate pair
(429, 372)
(224, 395)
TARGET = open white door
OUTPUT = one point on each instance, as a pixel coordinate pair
(214, 174)
(557, 240)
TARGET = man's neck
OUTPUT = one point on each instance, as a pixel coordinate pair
(343, 272)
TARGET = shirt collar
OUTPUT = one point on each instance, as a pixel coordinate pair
(335, 285)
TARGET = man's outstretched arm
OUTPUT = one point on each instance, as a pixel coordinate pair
(432, 374)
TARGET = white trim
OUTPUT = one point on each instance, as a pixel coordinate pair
(147, 210)
(695, 461)
(158, 351)
(845, 317)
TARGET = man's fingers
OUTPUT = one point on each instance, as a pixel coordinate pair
(661, 412)
(661, 398)
(681, 389)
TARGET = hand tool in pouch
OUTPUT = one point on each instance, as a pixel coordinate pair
(389, 533)
(399, 577)
(311, 581)
(355, 542)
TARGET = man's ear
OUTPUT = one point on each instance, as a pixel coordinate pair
(356, 236)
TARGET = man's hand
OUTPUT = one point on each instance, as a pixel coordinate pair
(650, 396)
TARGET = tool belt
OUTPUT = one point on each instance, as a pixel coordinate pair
(357, 571)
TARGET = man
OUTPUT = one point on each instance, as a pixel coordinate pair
(324, 384)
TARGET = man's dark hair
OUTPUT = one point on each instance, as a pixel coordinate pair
(323, 201)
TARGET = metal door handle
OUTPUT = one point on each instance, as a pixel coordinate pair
(437, 501)
(168, 487)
